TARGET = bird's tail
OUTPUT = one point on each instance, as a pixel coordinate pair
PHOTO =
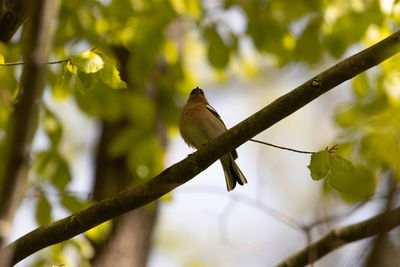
(232, 172)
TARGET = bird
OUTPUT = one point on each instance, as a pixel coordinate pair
(200, 123)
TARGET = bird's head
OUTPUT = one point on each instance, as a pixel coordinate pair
(197, 94)
(197, 91)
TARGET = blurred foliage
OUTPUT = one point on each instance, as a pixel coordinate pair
(354, 182)
(160, 37)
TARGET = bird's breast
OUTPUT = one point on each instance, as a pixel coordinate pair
(198, 126)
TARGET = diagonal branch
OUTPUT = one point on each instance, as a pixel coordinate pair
(186, 169)
(342, 236)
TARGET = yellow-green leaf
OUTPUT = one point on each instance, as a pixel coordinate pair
(360, 85)
(88, 61)
(99, 233)
(72, 68)
(110, 75)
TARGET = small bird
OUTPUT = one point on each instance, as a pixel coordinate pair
(199, 124)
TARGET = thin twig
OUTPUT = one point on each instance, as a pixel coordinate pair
(24, 62)
(281, 147)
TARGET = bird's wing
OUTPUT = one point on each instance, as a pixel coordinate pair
(215, 113)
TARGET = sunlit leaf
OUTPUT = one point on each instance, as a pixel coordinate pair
(99, 233)
(1, 59)
(167, 197)
(71, 67)
(87, 61)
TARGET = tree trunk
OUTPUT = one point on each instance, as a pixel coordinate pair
(129, 243)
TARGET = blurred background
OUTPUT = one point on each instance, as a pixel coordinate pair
(94, 138)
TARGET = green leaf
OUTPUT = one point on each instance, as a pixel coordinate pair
(351, 27)
(122, 143)
(381, 149)
(63, 88)
(320, 165)
(218, 52)
(86, 82)
(87, 61)
(145, 164)
(43, 211)
(51, 166)
(99, 233)
(41, 164)
(349, 117)
(110, 75)
(140, 110)
(71, 203)
(308, 46)
(62, 175)
(353, 182)
(267, 33)
(102, 101)
(360, 85)
(53, 127)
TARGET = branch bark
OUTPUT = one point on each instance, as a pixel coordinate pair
(186, 169)
(339, 237)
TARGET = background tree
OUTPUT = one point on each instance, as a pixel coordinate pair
(128, 66)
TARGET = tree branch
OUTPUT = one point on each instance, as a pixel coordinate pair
(186, 169)
(339, 237)
(21, 125)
